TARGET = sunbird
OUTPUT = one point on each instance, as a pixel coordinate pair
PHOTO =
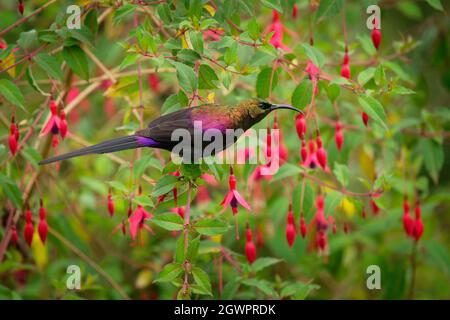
(158, 134)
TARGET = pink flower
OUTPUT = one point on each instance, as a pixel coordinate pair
(233, 198)
(137, 220)
(212, 34)
(313, 73)
(278, 29)
(53, 123)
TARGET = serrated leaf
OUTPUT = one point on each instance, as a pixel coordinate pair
(342, 173)
(50, 65)
(28, 40)
(262, 263)
(83, 35)
(143, 201)
(286, 170)
(314, 55)
(207, 78)
(365, 75)
(169, 221)
(12, 93)
(170, 272)
(433, 157)
(118, 186)
(211, 227)
(263, 82)
(11, 190)
(186, 77)
(202, 279)
(77, 61)
(164, 185)
(33, 82)
(374, 109)
(301, 97)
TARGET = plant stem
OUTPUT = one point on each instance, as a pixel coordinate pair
(413, 270)
(186, 234)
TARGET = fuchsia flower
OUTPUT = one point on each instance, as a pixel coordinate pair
(278, 29)
(52, 126)
(137, 220)
(233, 198)
(313, 73)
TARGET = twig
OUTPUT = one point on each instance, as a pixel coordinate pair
(24, 19)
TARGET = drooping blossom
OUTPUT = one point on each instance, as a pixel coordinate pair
(233, 198)
(278, 30)
(43, 226)
(250, 249)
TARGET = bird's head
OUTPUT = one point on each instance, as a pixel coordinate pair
(257, 109)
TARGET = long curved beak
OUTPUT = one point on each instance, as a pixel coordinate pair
(284, 106)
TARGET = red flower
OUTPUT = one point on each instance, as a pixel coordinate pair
(303, 228)
(339, 137)
(13, 137)
(294, 11)
(278, 29)
(313, 73)
(43, 226)
(63, 125)
(53, 124)
(321, 153)
(29, 227)
(418, 224)
(290, 227)
(365, 118)
(233, 198)
(250, 249)
(110, 203)
(21, 7)
(137, 220)
(212, 34)
(408, 222)
(375, 208)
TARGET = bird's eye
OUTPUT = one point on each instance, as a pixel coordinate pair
(264, 105)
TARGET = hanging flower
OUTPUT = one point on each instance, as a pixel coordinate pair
(290, 227)
(233, 198)
(250, 249)
(43, 226)
(278, 29)
(29, 227)
(137, 220)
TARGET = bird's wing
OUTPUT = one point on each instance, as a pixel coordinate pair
(161, 128)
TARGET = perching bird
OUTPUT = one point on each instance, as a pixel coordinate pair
(158, 134)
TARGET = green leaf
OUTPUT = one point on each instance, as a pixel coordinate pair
(207, 78)
(272, 4)
(262, 263)
(301, 97)
(28, 40)
(329, 8)
(436, 4)
(50, 65)
(380, 76)
(263, 285)
(333, 91)
(314, 55)
(123, 12)
(433, 157)
(33, 82)
(202, 279)
(12, 93)
(211, 227)
(175, 102)
(365, 75)
(91, 21)
(11, 190)
(143, 201)
(169, 221)
(263, 82)
(196, 39)
(374, 109)
(187, 79)
(77, 61)
(286, 170)
(170, 272)
(164, 185)
(342, 173)
(83, 35)
(254, 29)
(118, 186)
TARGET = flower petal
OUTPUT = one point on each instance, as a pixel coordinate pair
(226, 201)
(241, 200)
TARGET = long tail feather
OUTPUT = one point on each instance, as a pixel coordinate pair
(123, 143)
